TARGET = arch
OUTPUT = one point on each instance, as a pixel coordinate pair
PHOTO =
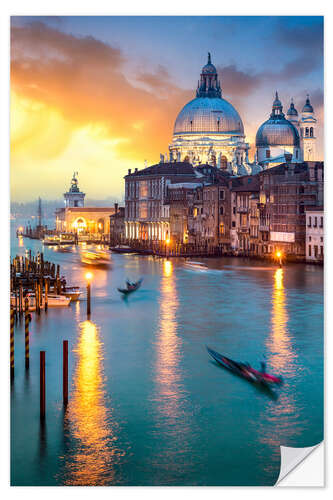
(311, 131)
(80, 224)
(307, 132)
(100, 225)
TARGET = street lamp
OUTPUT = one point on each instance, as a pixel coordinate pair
(279, 256)
(88, 278)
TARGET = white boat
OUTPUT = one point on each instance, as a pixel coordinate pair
(67, 239)
(196, 265)
(51, 239)
(53, 300)
(73, 292)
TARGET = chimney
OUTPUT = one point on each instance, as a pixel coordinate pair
(136, 171)
(116, 208)
(129, 171)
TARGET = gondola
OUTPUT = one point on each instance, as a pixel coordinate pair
(245, 370)
(130, 287)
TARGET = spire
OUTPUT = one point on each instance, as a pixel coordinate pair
(209, 59)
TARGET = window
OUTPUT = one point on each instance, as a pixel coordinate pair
(309, 223)
(221, 228)
(315, 250)
(296, 154)
(306, 132)
(234, 210)
(222, 194)
(321, 221)
(311, 131)
(310, 238)
(221, 210)
(268, 153)
(309, 250)
(321, 250)
(321, 239)
(315, 222)
(233, 224)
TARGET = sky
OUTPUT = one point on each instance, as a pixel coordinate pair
(100, 95)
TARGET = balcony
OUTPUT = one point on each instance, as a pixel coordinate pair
(263, 227)
(242, 210)
(243, 230)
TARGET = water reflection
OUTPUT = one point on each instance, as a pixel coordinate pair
(88, 420)
(279, 344)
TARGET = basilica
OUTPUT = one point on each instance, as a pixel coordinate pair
(209, 130)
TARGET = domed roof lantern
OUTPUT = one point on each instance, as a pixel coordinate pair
(209, 83)
(277, 107)
(307, 108)
(292, 111)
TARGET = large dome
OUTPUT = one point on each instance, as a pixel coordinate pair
(277, 133)
(206, 115)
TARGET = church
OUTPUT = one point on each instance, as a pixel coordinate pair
(209, 130)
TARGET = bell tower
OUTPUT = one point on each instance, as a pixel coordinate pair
(74, 197)
(308, 126)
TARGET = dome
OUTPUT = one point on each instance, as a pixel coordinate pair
(277, 133)
(206, 115)
(292, 111)
(209, 67)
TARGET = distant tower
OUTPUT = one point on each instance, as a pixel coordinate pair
(74, 197)
(308, 131)
(39, 216)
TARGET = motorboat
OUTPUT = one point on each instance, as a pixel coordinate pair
(72, 291)
(66, 239)
(122, 249)
(96, 258)
(200, 266)
(245, 370)
(51, 239)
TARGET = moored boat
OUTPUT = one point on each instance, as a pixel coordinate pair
(53, 300)
(122, 249)
(245, 370)
(51, 239)
(73, 292)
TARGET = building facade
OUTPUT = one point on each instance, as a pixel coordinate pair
(315, 234)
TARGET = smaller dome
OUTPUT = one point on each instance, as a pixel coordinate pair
(277, 133)
(307, 108)
(292, 111)
(277, 102)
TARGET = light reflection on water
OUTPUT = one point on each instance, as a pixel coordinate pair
(88, 419)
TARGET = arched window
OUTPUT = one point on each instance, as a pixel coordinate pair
(306, 132)
(311, 131)
(221, 210)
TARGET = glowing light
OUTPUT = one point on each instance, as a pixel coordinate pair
(167, 268)
(20, 229)
(89, 276)
(278, 254)
(167, 241)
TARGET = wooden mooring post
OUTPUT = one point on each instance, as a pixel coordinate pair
(26, 336)
(11, 342)
(46, 304)
(42, 384)
(65, 371)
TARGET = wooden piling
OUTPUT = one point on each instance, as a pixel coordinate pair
(21, 299)
(27, 318)
(65, 372)
(42, 384)
(88, 300)
(46, 294)
(11, 342)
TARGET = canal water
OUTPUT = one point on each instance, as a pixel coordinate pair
(147, 406)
